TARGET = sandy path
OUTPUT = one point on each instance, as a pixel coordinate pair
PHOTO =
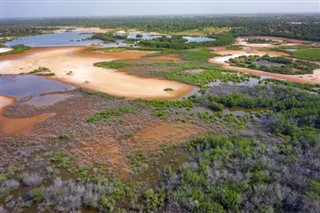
(73, 65)
(227, 54)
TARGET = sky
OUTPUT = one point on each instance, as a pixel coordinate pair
(81, 8)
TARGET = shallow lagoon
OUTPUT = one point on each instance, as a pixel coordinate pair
(55, 39)
(23, 86)
(81, 39)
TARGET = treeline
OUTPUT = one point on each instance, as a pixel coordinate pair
(258, 41)
(178, 42)
(18, 29)
(108, 37)
(305, 27)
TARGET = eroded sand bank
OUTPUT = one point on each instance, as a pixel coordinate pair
(74, 65)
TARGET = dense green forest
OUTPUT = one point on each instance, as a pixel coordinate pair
(305, 27)
(178, 42)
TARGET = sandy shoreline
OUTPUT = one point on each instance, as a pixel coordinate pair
(5, 49)
(6, 101)
(74, 65)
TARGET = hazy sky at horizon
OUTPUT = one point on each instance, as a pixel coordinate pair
(76, 8)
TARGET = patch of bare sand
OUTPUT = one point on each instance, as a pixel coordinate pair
(6, 101)
(168, 132)
(84, 74)
(113, 154)
(18, 125)
(13, 126)
(227, 54)
(5, 49)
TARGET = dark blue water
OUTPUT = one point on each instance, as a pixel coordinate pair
(22, 86)
(55, 39)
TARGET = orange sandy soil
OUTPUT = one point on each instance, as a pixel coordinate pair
(256, 50)
(14, 126)
(152, 138)
(75, 60)
(6, 101)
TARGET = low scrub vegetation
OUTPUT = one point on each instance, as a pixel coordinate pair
(105, 114)
(274, 64)
(43, 71)
(302, 52)
(16, 50)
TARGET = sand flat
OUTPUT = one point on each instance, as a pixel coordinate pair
(5, 49)
(14, 126)
(75, 66)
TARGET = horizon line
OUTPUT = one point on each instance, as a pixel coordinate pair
(167, 15)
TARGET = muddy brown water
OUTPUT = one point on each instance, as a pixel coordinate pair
(47, 100)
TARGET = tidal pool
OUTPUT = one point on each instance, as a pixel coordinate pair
(23, 86)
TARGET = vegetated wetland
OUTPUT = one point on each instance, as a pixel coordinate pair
(180, 118)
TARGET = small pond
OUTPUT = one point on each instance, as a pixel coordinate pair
(268, 63)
